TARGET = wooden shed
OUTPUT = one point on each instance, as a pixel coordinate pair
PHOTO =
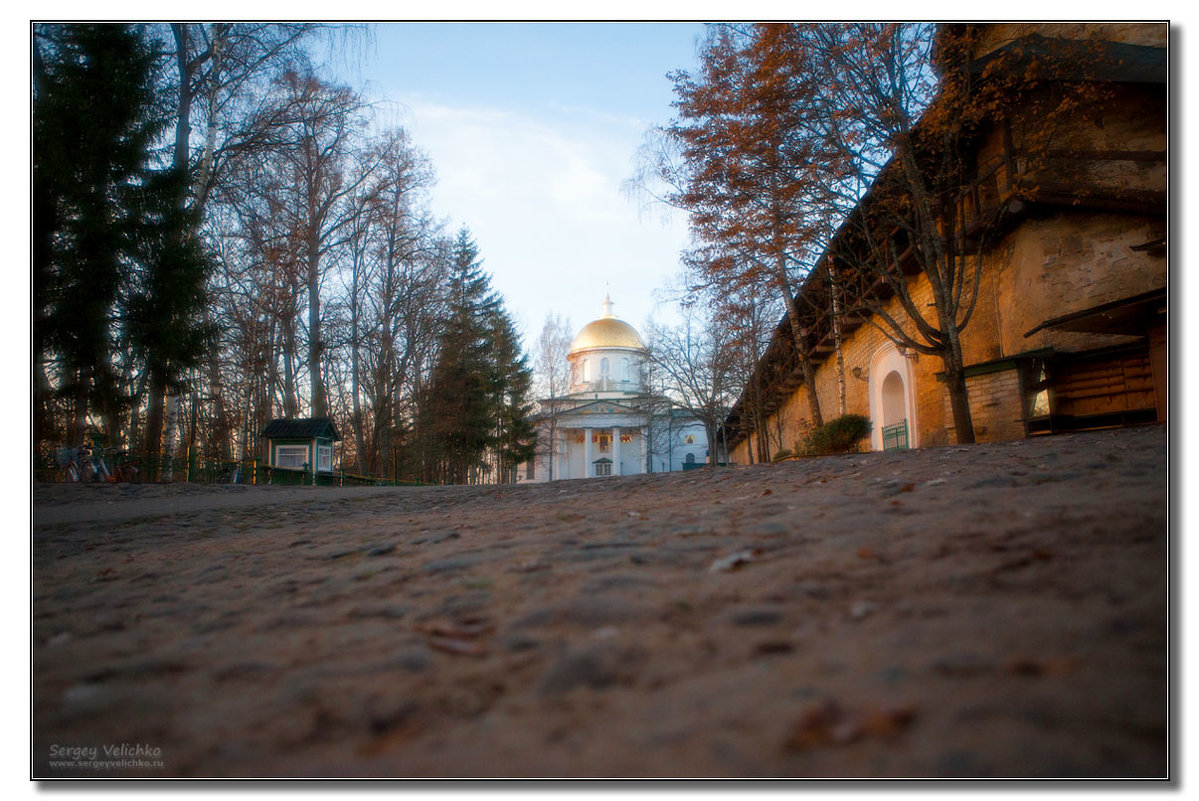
(301, 444)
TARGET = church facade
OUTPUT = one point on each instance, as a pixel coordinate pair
(609, 423)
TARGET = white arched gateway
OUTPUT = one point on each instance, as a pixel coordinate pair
(892, 400)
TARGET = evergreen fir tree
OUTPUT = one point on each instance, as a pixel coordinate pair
(515, 435)
(118, 263)
(95, 124)
(474, 412)
(165, 317)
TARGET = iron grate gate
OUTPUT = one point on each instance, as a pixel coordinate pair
(895, 436)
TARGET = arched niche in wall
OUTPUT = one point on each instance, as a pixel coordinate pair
(892, 396)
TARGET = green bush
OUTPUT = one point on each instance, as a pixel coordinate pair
(843, 435)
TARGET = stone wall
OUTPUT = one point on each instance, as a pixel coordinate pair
(1046, 268)
(1055, 261)
(1067, 263)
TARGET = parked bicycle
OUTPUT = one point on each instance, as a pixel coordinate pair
(233, 476)
(99, 468)
(68, 461)
(126, 467)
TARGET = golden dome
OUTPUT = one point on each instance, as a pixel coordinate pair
(608, 331)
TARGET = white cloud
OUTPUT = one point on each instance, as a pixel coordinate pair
(542, 196)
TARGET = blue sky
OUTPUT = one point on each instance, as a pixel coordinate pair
(532, 128)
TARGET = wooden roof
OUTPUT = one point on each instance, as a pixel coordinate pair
(301, 428)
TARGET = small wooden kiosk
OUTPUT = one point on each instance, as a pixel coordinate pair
(301, 449)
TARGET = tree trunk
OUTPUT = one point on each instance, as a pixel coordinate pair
(152, 433)
(356, 382)
(43, 405)
(203, 182)
(799, 336)
(318, 401)
(291, 403)
(78, 429)
(183, 109)
(222, 433)
(170, 429)
(959, 399)
(834, 291)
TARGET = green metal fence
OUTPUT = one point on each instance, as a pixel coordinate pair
(193, 468)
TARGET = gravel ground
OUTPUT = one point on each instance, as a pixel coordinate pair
(989, 611)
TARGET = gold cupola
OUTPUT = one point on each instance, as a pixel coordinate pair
(609, 331)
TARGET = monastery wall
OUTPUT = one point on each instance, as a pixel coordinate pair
(1135, 33)
(1046, 268)
(1067, 263)
(1058, 259)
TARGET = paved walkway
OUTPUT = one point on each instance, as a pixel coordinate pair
(985, 611)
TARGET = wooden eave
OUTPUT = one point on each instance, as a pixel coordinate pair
(1130, 316)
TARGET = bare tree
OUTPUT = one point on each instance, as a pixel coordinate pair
(404, 291)
(733, 159)
(316, 131)
(552, 383)
(695, 359)
(751, 321)
(216, 68)
(900, 108)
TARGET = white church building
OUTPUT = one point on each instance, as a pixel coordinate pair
(609, 424)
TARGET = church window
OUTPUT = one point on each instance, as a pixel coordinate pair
(624, 369)
(604, 367)
(587, 369)
(603, 468)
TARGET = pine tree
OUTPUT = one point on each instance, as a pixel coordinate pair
(475, 408)
(455, 414)
(95, 122)
(515, 438)
(165, 322)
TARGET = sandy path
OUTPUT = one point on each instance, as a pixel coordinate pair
(112, 503)
(985, 611)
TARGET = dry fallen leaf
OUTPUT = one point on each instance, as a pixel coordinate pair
(733, 561)
(861, 609)
(458, 637)
(457, 647)
(1052, 666)
(461, 630)
(829, 724)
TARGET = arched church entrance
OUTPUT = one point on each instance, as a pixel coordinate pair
(892, 400)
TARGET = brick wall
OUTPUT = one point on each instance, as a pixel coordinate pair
(995, 406)
(1050, 265)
